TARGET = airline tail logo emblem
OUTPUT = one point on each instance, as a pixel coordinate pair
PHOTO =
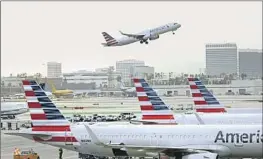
(45, 116)
(109, 39)
(152, 106)
(204, 100)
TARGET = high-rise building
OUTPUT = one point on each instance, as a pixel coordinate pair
(146, 72)
(54, 70)
(221, 58)
(125, 67)
(250, 63)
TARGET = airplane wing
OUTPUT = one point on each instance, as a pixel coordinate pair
(144, 122)
(149, 122)
(140, 37)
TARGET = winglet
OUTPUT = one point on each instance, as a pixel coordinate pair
(93, 136)
(121, 32)
(98, 142)
(199, 119)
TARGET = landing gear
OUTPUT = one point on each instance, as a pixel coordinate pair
(144, 41)
(173, 33)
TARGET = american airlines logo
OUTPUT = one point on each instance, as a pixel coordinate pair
(239, 137)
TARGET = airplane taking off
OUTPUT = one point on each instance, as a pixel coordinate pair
(50, 127)
(155, 111)
(143, 37)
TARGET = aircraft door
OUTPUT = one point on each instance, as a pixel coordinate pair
(154, 139)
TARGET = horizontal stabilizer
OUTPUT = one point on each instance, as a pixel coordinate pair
(110, 41)
(201, 122)
(28, 135)
(104, 44)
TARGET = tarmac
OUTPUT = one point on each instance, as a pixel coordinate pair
(9, 143)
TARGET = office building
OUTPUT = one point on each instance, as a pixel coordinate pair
(54, 70)
(250, 63)
(145, 72)
(99, 78)
(125, 67)
(221, 58)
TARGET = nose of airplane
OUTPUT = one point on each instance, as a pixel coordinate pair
(179, 25)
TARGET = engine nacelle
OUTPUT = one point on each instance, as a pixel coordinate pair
(201, 156)
(154, 37)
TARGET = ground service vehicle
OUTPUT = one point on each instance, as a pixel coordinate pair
(27, 155)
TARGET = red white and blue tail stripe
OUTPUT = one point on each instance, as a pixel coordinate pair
(152, 107)
(45, 116)
(203, 99)
(110, 41)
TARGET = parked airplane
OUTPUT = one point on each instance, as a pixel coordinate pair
(155, 111)
(206, 102)
(13, 108)
(127, 89)
(49, 126)
(149, 34)
(130, 89)
(59, 93)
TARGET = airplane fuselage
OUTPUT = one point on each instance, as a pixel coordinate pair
(216, 118)
(13, 108)
(149, 32)
(227, 140)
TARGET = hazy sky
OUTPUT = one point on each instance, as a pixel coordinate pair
(34, 33)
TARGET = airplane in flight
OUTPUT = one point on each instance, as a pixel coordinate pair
(155, 111)
(143, 37)
(49, 126)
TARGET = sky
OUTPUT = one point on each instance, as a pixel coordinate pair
(34, 33)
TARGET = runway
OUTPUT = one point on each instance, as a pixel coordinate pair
(9, 143)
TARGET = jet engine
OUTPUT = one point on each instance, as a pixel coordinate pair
(150, 37)
(154, 37)
(206, 155)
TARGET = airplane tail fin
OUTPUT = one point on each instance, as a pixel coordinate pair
(152, 107)
(44, 113)
(53, 88)
(109, 40)
(203, 99)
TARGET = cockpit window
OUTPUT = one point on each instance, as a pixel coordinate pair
(175, 23)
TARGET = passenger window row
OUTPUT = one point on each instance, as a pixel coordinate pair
(154, 136)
